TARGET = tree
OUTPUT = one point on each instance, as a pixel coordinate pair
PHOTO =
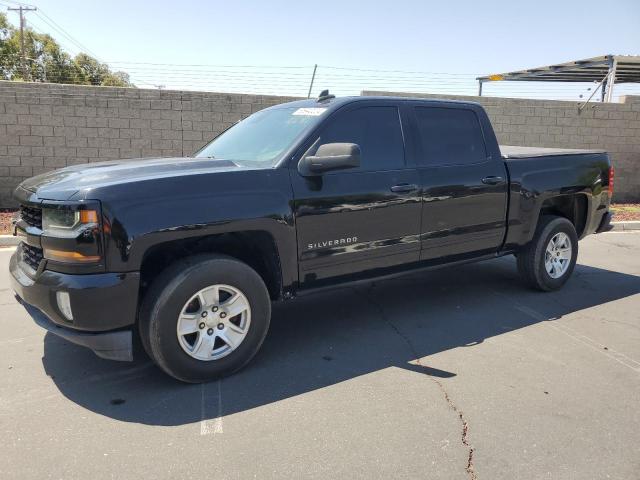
(47, 62)
(9, 49)
(97, 73)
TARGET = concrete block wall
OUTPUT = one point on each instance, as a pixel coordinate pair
(48, 126)
(614, 127)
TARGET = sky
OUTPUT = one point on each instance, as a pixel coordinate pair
(272, 46)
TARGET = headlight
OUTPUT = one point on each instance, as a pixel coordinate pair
(67, 223)
(71, 235)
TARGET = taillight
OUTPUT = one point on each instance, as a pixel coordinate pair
(610, 186)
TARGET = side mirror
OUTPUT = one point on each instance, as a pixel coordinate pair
(329, 157)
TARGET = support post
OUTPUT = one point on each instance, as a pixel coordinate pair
(612, 80)
(479, 87)
(600, 85)
(313, 77)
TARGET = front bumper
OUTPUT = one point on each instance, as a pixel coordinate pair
(110, 345)
(104, 307)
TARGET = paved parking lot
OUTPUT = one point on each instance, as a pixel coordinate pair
(458, 373)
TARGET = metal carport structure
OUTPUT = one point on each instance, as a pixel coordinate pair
(607, 70)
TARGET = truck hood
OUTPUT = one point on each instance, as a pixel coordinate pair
(65, 183)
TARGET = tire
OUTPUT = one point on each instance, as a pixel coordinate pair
(532, 264)
(174, 294)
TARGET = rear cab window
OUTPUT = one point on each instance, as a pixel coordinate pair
(448, 136)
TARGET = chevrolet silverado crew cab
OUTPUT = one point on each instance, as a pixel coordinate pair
(188, 254)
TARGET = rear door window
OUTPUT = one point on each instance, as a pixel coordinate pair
(449, 136)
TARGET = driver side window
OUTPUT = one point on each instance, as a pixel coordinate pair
(376, 130)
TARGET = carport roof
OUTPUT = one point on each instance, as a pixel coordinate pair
(588, 70)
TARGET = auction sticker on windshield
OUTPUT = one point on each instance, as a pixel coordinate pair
(310, 112)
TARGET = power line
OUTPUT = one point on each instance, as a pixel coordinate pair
(20, 3)
(297, 87)
(42, 16)
(212, 65)
(309, 67)
(395, 71)
(260, 88)
(53, 24)
(329, 79)
(55, 73)
(63, 42)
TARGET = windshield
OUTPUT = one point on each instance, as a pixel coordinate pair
(261, 139)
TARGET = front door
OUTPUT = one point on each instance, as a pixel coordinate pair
(353, 222)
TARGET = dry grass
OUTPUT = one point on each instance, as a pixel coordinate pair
(6, 215)
(626, 212)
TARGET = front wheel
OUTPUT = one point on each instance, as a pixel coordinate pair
(547, 262)
(205, 317)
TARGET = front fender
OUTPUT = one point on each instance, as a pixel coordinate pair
(156, 211)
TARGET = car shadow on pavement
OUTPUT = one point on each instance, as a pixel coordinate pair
(321, 340)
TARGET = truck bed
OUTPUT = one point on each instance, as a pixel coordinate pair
(513, 151)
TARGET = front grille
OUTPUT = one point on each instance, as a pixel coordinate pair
(31, 215)
(32, 256)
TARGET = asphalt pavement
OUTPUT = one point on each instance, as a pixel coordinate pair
(459, 373)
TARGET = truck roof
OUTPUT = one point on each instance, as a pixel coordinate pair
(335, 102)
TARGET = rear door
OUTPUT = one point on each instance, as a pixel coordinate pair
(351, 222)
(464, 187)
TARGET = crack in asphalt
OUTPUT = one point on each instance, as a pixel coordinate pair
(470, 468)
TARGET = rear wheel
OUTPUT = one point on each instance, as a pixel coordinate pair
(205, 317)
(547, 262)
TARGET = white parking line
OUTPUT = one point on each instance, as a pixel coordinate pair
(609, 352)
(619, 357)
(211, 426)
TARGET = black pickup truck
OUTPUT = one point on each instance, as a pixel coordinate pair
(188, 254)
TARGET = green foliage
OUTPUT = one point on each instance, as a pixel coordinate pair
(47, 62)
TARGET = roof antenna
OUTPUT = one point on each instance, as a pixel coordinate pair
(324, 95)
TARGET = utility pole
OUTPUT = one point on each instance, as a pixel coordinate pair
(23, 56)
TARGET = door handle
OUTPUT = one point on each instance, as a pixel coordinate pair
(404, 187)
(491, 180)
